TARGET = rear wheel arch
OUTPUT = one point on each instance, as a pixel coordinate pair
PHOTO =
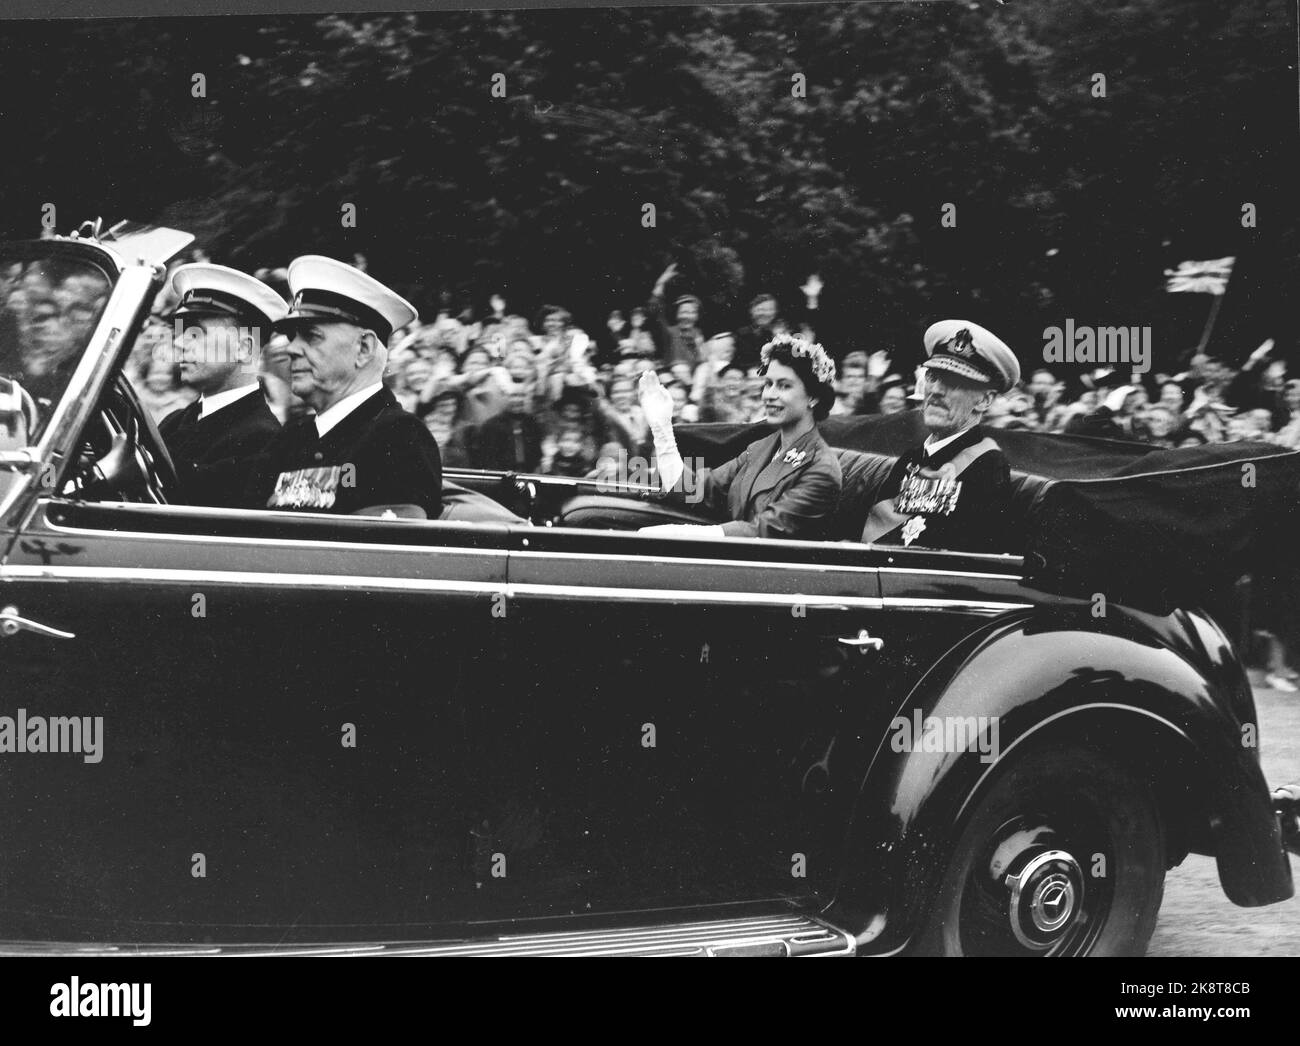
(1154, 748)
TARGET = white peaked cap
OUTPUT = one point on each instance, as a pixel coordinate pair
(329, 291)
(204, 289)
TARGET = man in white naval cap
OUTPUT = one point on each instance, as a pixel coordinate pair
(360, 452)
(953, 491)
(222, 320)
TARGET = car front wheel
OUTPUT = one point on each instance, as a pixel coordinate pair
(1063, 854)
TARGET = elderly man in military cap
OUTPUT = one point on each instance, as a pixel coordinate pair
(360, 452)
(223, 319)
(953, 491)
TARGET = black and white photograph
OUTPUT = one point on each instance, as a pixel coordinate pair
(814, 479)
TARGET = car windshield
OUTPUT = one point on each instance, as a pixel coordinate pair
(49, 306)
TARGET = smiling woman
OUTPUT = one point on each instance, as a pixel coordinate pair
(785, 485)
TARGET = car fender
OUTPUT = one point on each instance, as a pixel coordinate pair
(1036, 678)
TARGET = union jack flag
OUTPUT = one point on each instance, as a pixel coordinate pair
(1200, 277)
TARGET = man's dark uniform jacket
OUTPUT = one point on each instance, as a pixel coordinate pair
(214, 454)
(978, 522)
(379, 454)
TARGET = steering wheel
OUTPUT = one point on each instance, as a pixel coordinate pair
(154, 449)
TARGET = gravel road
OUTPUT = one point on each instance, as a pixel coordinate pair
(1196, 919)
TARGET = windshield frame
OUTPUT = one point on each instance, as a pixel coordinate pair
(131, 291)
(31, 252)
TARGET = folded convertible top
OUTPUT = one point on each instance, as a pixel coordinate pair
(1154, 529)
(1177, 528)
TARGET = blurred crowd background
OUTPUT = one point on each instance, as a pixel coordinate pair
(504, 389)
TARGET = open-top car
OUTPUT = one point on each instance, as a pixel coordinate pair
(534, 730)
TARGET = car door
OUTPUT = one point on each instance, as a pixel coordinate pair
(282, 705)
(679, 714)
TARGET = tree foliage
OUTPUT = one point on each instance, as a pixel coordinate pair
(1067, 204)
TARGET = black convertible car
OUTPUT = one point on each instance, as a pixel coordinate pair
(229, 731)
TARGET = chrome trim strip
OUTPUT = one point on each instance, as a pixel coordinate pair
(510, 591)
(353, 581)
(675, 595)
(304, 543)
(994, 559)
(980, 605)
(949, 573)
(794, 934)
(690, 561)
(257, 578)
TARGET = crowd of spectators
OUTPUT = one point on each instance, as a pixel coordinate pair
(537, 393)
(504, 390)
(1207, 402)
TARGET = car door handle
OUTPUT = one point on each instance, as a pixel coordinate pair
(11, 624)
(862, 642)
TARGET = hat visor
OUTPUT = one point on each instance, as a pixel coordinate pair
(301, 317)
(200, 311)
(961, 369)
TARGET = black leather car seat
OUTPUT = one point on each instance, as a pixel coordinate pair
(469, 506)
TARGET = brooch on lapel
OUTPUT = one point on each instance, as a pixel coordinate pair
(794, 457)
(912, 529)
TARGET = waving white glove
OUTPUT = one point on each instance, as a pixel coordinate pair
(655, 402)
(657, 406)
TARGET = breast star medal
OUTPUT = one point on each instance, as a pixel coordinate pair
(912, 529)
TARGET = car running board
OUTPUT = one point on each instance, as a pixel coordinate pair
(768, 935)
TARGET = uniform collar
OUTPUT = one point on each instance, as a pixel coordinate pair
(209, 405)
(932, 446)
(331, 416)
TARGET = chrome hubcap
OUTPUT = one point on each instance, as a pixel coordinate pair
(1045, 898)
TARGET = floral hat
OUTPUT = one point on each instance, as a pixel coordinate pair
(823, 366)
